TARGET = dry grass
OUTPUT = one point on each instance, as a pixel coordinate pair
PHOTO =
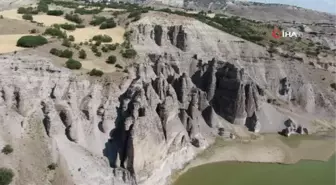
(85, 34)
(8, 43)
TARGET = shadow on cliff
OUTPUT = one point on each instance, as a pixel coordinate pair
(115, 147)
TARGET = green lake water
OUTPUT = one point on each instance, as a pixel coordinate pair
(305, 172)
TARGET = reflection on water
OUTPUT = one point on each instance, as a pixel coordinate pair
(305, 172)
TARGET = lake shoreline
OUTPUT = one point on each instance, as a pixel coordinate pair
(269, 148)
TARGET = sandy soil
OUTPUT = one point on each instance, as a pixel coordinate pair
(90, 64)
(11, 14)
(50, 20)
(85, 34)
(8, 43)
(45, 19)
(16, 27)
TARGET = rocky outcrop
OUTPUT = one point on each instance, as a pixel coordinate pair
(293, 128)
(177, 37)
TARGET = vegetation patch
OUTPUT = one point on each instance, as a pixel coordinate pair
(97, 20)
(96, 72)
(82, 54)
(129, 53)
(102, 38)
(6, 176)
(67, 26)
(52, 166)
(109, 23)
(111, 59)
(55, 12)
(29, 10)
(55, 31)
(73, 64)
(74, 18)
(62, 53)
(28, 17)
(30, 41)
(7, 149)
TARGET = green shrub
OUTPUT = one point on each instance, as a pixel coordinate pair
(74, 18)
(112, 47)
(71, 38)
(66, 43)
(27, 17)
(7, 149)
(63, 54)
(55, 51)
(42, 6)
(97, 20)
(104, 49)
(52, 166)
(333, 85)
(28, 10)
(1, 16)
(118, 66)
(6, 176)
(82, 54)
(33, 31)
(55, 12)
(31, 41)
(129, 53)
(80, 26)
(111, 59)
(67, 26)
(56, 32)
(98, 54)
(98, 43)
(73, 64)
(94, 49)
(96, 72)
(102, 38)
(66, 53)
(109, 23)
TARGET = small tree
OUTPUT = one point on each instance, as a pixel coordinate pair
(94, 49)
(71, 38)
(82, 54)
(104, 49)
(66, 54)
(111, 59)
(7, 149)
(73, 64)
(96, 72)
(27, 17)
(129, 53)
(6, 176)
